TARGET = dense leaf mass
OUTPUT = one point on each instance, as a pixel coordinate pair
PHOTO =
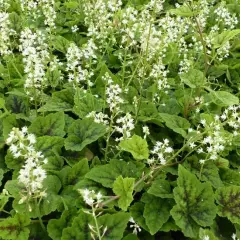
(119, 119)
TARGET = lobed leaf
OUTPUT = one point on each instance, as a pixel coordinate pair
(228, 199)
(194, 203)
(83, 132)
(123, 187)
(137, 146)
(51, 125)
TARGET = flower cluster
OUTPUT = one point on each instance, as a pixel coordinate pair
(223, 51)
(35, 57)
(37, 8)
(113, 92)
(161, 152)
(216, 135)
(99, 117)
(5, 33)
(79, 63)
(32, 173)
(159, 73)
(99, 19)
(225, 17)
(4, 4)
(125, 126)
(90, 197)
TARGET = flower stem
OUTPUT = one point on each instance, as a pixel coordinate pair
(39, 215)
(96, 224)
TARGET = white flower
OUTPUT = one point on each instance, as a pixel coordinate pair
(74, 28)
(205, 237)
(125, 126)
(90, 197)
(203, 122)
(192, 145)
(99, 197)
(234, 236)
(13, 148)
(168, 150)
(161, 152)
(135, 226)
(114, 100)
(99, 117)
(24, 130)
(31, 138)
(146, 131)
(202, 161)
(31, 175)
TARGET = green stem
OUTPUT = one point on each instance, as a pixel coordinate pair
(39, 215)
(96, 224)
(110, 132)
(200, 173)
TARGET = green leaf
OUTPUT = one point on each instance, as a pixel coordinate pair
(176, 123)
(123, 187)
(15, 227)
(160, 188)
(136, 212)
(206, 232)
(13, 163)
(16, 104)
(228, 199)
(1, 176)
(171, 107)
(51, 125)
(170, 225)
(2, 103)
(60, 101)
(8, 123)
(137, 146)
(54, 163)
(194, 203)
(131, 236)
(49, 145)
(61, 44)
(3, 201)
(107, 174)
(230, 176)
(156, 212)
(223, 37)
(83, 132)
(69, 197)
(183, 11)
(56, 226)
(222, 98)
(71, 4)
(209, 172)
(80, 228)
(84, 103)
(13, 187)
(115, 223)
(77, 172)
(193, 78)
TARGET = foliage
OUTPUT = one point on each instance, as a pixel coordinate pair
(119, 119)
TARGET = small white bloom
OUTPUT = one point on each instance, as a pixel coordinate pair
(31, 138)
(135, 226)
(202, 161)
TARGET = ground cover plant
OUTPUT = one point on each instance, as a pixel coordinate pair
(119, 119)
